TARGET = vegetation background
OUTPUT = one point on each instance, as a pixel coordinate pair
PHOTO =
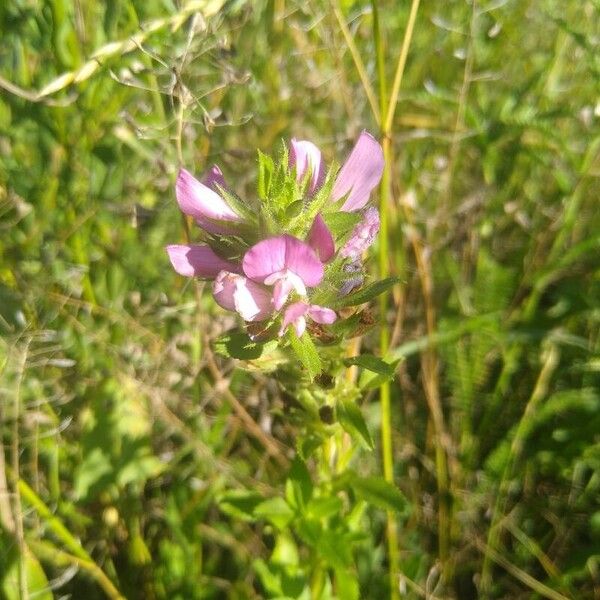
(121, 440)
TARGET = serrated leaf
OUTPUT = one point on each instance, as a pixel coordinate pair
(371, 363)
(376, 371)
(302, 223)
(346, 326)
(244, 209)
(306, 351)
(367, 293)
(265, 174)
(352, 420)
(379, 492)
(371, 381)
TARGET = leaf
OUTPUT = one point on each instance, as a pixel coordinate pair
(242, 208)
(340, 223)
(36, 582)
(322, 508)
(306, 446)
(335, 549)
(285, 551)
(281, 581)
(276, 510)
(238, 345)
(377, 371)
(96, 465)
(377, 491)
(371, 363)
(352, 420)
(298, 486)
(240, 504)
(345, 326)
(347, 584)
(367, 294)
(306, 351)
(265, 174)
(270, 578)
(294, 209)
(140, 468)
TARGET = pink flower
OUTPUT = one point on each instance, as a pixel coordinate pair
(203, 202)
(358, 176)
(213, 178)
(237, 293)
(363, 235)
(320, 240)
(306, 156)
(296, 313)
(198, 261)
(286, 263)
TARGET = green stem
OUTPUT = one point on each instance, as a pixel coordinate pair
(385, 392)
(79, 556)
(61, 559)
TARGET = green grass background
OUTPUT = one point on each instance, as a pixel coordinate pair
(118, 439)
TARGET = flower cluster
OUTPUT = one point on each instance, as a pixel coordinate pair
(275, 261)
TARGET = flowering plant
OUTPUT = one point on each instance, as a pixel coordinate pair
(291, 264)
(290, 260)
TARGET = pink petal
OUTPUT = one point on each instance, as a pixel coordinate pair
(300, 326)
(302, 260)
(198, 261)
(224, 289)
(363, 235)
(322, 314)
(279, 253)
(305, 155)
(201, 202)
(236, 293)
(252, 301)
(294, 313)
(213, 178)
(320, 239)
(265, 258)
(360, 173)
(281, 291)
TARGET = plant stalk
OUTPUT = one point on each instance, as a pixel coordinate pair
(385, 392)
